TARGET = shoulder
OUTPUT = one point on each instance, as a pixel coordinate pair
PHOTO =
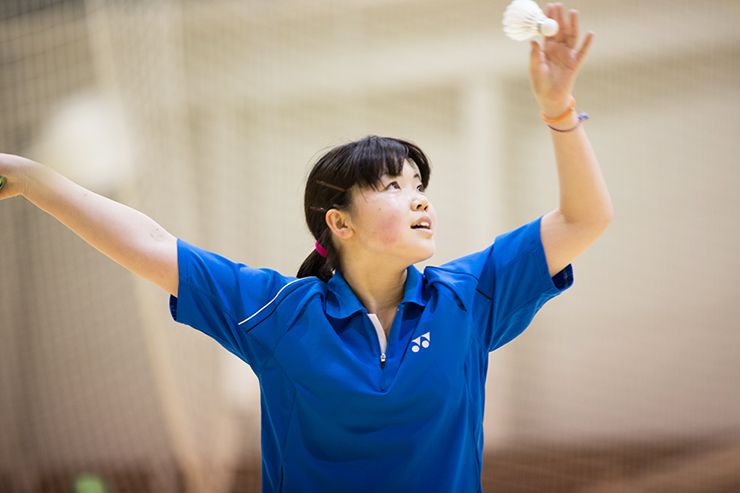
(287, 304)
(475, 274)
(454, 279)
(213, 283)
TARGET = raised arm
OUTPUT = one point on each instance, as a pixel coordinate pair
(127, 236)
(585, 208)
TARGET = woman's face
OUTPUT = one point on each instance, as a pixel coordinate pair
(395, 219)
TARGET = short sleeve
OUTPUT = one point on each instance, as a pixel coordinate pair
(216, 294)
(505, 285)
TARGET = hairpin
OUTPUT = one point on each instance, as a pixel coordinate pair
(330, 186)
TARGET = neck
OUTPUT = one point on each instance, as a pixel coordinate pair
(379, 289)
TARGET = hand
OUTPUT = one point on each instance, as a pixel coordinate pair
(554, 67)
(15, 170)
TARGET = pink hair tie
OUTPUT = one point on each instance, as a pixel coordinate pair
(320, 249)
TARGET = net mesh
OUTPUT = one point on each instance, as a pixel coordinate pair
(207, 115)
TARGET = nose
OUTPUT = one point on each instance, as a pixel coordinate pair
(420, 202)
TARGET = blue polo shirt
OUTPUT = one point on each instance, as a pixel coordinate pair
(336, 419)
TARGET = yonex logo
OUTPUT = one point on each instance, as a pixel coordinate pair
(422, 341)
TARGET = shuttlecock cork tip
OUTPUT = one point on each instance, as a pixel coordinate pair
(549, 27)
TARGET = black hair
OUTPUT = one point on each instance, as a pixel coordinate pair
(362, 163)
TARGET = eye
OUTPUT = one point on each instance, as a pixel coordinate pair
(393, 184)
(420, 188)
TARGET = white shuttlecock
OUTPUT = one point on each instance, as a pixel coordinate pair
(524, 19)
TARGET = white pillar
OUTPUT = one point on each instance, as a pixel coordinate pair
(482, 187)
(480, 169)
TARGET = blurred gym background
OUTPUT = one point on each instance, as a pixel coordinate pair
(207, 115)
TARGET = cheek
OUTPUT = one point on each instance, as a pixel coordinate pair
(388, 226)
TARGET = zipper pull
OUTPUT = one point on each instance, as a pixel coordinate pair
(382, 361)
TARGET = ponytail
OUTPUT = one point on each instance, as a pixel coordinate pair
(315, 265)
(318, 265)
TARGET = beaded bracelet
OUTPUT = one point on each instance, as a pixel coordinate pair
(581, 117)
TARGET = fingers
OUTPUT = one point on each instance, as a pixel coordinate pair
(569, 25)
(586, 46)
(564, 31)
(534, 56)
(573, 29)
(550, 11)
(555, 11)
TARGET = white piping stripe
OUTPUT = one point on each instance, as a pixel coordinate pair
(268, 304)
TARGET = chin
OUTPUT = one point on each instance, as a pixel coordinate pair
(425, 255)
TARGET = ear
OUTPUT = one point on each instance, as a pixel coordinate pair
(338, 222)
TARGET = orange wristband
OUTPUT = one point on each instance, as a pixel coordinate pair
(564, 115)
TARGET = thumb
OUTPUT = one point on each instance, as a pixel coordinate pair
(535, 55)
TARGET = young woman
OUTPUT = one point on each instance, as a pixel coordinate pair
(372, 373)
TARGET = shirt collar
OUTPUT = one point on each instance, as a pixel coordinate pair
(341, 301)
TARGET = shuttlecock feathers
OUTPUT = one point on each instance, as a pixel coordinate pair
(524, 19)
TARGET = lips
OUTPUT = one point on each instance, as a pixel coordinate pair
(422, 223)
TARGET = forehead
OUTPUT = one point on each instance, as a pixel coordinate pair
(410, 169)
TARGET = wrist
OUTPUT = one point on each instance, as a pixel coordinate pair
(556, 114)
(34, 179)
(16, 172)
(569, 123)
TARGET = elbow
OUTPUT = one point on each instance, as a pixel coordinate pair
(607, 216)
(593, 224)
(601, 216)
(602, 220)
(598, 224)
(593, 218)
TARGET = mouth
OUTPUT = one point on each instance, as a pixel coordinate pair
(423, 224)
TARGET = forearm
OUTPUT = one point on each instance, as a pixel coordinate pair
(585, 209)
(584, 197)
(127, 236)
